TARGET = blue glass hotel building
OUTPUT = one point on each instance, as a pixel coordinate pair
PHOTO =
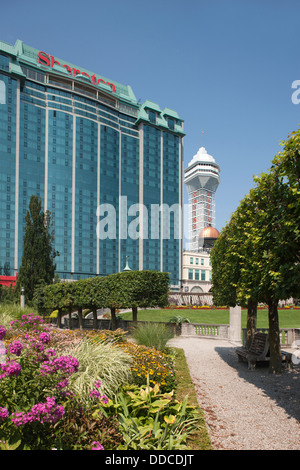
(80, 141)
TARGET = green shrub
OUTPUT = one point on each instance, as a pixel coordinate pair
(177, 319)
(152, 335)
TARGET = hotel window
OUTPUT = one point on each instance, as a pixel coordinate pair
(202, 275)
(4, 62)
(152, 117)
(196, 274)
(197, 260)
(191, 260)
(190, 274)
(171, 124)
(202, 262)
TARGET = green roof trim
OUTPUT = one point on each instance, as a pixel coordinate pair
(7, 49)
(171, 113)
(21, 54)
(161, 116)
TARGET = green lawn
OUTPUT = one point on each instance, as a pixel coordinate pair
(287, 318)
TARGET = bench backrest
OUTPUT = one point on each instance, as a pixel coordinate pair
(259, 343)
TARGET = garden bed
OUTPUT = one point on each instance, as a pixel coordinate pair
(74, 390)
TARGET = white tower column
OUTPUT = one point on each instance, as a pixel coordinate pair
(201, 179)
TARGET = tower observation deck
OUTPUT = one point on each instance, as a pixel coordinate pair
(201, 178)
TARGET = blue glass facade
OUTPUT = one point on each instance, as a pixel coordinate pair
(80, 142)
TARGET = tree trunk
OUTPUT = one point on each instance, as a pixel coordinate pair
(113, 318)
(134, 316)
(70, 318)
(251, 321)
(59, 318)
(274, 338)
(94, 318)
(80, 318)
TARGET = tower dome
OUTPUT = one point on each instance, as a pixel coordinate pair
(207, 238)
(209, 232)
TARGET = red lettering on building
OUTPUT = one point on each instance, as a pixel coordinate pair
(112, 86)
(43, 58)
(76, 72)
(50, 61)
(195, 211)
(68, 68)
(53, 61)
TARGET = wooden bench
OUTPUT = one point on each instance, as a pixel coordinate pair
(257, 352)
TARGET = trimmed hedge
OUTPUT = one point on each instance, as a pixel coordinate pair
(131, 289)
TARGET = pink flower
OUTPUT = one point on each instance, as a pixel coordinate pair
(10, 368)
(2, 332)
(62, 384)
(95, 394)
(45, 338)
(104, 399)
(65, 364)
(97, 446)
(16, 348)
(3, 413)
(42, 412)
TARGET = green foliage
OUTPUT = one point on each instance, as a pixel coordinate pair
(152, 420)
(153, 335)
(121, 290)
(81, 426)
(9, 294)
(38, 265)
(256, 258)
(178, 319)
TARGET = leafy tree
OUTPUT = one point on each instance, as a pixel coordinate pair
(261, 245)
(228, 258)
(38, 252)
(131, 289)
(93, 295)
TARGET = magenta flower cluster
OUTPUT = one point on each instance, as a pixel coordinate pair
(48, 412)
(67, 365)
(45, 338)
(96, 394)
(35, 349)
(10, 369)
(30, 320)
(2, 332)
(16, 348)
(3, 413)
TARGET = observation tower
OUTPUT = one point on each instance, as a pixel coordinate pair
(201, 178)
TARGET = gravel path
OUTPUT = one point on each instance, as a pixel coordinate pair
(244, 409)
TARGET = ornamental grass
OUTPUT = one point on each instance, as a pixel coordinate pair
(99, 361)
(152, 334)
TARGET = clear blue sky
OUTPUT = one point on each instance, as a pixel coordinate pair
(226, 67)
